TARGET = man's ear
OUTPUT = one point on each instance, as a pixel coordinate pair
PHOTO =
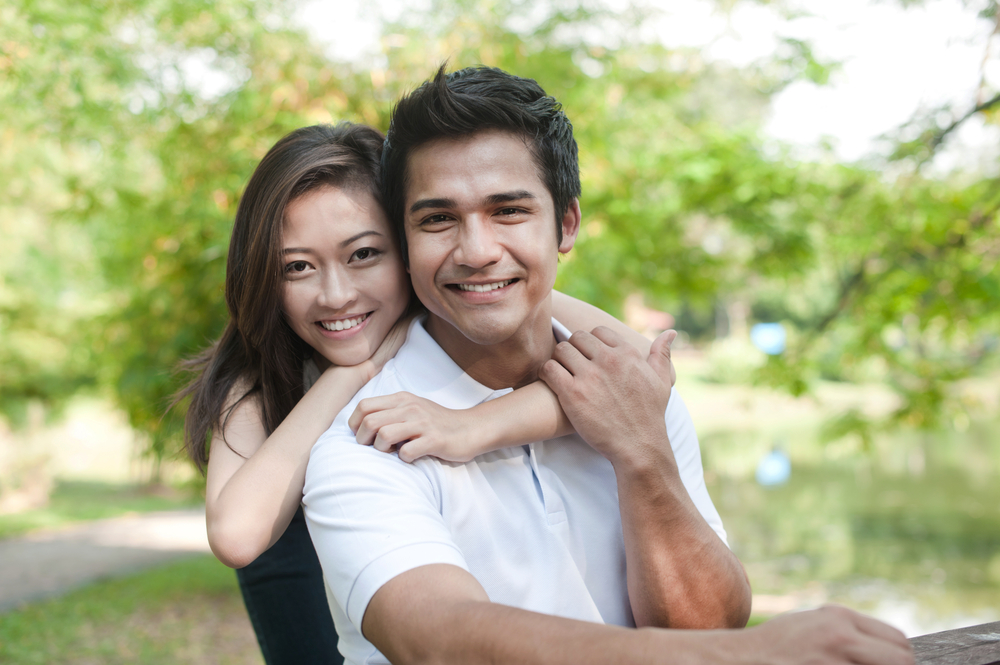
(570, 226)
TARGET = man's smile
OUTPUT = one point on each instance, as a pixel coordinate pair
(483, 288)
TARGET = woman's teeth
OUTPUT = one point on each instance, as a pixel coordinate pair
(483, 288)
(343, 324)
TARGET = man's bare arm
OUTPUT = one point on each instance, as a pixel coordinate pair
(680, 573)
(440, 614)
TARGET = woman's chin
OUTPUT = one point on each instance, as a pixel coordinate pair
(344, 357)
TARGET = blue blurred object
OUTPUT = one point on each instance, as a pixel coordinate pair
(774, 468)
(769, 338)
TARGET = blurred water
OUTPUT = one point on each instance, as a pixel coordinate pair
(908, 532)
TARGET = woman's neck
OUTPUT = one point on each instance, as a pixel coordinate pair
(321, 362)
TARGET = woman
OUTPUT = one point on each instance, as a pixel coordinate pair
(318, 301)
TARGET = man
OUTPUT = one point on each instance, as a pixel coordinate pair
(550, 552)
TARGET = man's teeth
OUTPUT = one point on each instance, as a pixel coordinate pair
(343, 324)
(483, 288)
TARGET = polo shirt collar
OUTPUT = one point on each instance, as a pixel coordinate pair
(426, 370)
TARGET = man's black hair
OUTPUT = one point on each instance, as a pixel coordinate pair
(472, 100)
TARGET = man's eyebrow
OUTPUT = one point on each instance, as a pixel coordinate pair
(492, 199)
(423, 204)
(507, 197)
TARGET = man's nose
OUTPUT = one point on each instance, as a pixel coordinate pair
(478, 245)
(337, 290)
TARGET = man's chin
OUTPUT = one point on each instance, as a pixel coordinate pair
(480, 330)
(487, 337)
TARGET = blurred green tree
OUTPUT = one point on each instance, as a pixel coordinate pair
(138, 123)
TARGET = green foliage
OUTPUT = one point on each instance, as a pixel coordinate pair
(141, 121)
(154, 114)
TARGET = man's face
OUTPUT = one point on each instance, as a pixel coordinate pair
(480, 225)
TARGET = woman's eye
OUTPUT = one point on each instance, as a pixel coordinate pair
(364, 254)
(296, 266)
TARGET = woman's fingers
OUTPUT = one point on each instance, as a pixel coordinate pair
(392, 435)
(368, 406)
(374, 422)
(365, 422)
(411, 451)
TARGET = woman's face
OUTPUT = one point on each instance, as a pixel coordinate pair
(345, 285)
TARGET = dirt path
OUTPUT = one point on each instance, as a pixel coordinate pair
(48, 563)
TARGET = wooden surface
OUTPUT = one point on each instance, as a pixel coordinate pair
(975, 645)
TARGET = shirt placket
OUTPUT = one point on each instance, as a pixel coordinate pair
(555, 509)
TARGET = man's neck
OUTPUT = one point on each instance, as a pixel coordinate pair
(511, 363)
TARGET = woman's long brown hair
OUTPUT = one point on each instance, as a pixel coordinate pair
(258, 353)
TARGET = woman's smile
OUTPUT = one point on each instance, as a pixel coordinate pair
(339, 325)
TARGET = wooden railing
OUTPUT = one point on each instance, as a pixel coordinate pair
(975, 645)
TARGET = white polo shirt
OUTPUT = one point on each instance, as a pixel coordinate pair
(537, 525)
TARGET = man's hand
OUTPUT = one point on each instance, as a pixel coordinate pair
(660, 359)
(680, 573)
(614, 398)
(831, 634)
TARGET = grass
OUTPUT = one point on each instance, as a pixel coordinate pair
(186, 612)
(81, 501)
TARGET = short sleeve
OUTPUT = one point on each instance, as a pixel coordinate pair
(371, 517)
(684, 441)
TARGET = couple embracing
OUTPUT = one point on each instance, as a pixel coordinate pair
(531, 495)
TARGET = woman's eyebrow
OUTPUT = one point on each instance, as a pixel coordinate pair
(344, 243)
(358, 236)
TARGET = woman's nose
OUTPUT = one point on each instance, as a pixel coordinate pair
(337, 290)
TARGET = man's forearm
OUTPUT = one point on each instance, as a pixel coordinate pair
(680, 573)
(440, 614)
(483, 632)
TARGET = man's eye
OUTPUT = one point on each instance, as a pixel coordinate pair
(296, 266)
(363, 254)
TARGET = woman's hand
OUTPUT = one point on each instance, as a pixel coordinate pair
(415, 427)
